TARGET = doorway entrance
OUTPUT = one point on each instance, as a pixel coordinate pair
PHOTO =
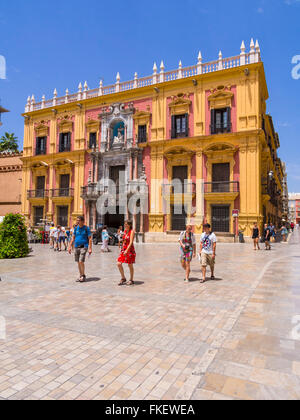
(62, 216)
(220, 219)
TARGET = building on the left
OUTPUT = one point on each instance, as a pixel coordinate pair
(10, 180)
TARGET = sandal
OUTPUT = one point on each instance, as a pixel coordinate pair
(213, 278)
(82, 279)
(122, 282)
(202, 281)
(130, 283)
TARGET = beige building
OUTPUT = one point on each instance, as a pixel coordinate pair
(10, 183)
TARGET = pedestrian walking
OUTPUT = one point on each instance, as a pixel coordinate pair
(188, 250)
(105, 240)
(292, 227)
(208, 246)
(127, 254)
(284, 233)
(82, 241)
(52, 231)
(256, 236)
(273, 233)
(267, 237)
(120, 235)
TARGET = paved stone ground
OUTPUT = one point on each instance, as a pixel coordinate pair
(234, 338)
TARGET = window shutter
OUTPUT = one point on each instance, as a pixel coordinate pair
(69, 142)
(187, 125)
(173, 128)
(213, 121)
(61, 138)
(229, 120)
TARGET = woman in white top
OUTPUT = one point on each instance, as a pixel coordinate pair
(188, 250)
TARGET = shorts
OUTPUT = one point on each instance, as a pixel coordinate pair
(207, 259)
(62, 239)
(80, 254)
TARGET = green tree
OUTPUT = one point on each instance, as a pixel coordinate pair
(13, 237)
(9, 143)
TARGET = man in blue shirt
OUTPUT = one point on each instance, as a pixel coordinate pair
(82, 238)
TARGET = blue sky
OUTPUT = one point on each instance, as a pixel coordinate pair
(57, 44)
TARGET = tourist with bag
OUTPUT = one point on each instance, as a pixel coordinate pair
(188, 250)
(207, 254)
(82, 240)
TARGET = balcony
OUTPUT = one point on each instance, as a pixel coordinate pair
(93, 191)
(177, 194)
(220, 128)
(37, 195)
(221, 191)
(40, 151)
(221, 187)
(62, 195)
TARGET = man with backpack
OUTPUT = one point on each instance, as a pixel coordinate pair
(208, 247)
(82, 239)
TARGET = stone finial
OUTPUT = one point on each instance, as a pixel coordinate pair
(100, 88)
(67, 96)
(243, 54)
(257, 50)
(32, 99)
(162, 72)
(54, 97)
(243, 47)
(135, 83)
(79, 95)
(85, 89)
(118, 78)
(43, 101)
(27, 107)
(220, 64)
(252, 51)
(180, 70)
(155, 74)
(199, 64)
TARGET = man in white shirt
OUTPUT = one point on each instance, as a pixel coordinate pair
(208, 247)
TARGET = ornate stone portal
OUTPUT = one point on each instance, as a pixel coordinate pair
(118, 160)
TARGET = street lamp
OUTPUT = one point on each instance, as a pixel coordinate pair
(271, 175)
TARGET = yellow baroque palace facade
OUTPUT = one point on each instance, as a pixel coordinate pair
(204, 125)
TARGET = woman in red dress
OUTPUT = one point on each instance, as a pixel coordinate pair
(127, 255)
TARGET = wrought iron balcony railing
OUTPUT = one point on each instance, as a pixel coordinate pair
(222, 187)
(40, 151)
(184, 188)
(41, 193)
(220, 128)
(62, 192)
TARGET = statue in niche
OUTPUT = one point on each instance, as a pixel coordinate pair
(119, 133)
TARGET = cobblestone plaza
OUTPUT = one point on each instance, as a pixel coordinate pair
(233, 338)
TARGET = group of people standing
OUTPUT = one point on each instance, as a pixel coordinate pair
(268, 235)
(59, 237)
(82, 243)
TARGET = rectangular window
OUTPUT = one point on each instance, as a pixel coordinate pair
(142, 134)
(180, 126)
(38, 215)
(40, 186)
(64, 185)
(41, 146)
(93, 140)
(220, 121)
(64, 142)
